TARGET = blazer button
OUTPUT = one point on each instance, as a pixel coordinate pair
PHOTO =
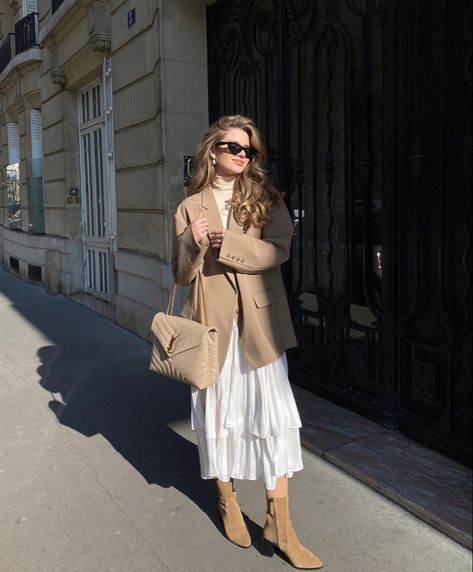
(233, 257)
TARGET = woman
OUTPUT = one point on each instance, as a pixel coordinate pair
(235, 230)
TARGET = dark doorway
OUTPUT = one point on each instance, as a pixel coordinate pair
(365, 107)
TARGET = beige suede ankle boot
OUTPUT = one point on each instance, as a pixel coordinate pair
(233, 522)
(278, 530)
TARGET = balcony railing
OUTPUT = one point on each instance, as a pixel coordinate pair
(26, 33)
(6, 51)
(55, 5)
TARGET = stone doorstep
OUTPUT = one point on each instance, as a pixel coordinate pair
(426, 483)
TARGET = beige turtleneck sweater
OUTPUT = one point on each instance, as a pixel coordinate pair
(223, 191)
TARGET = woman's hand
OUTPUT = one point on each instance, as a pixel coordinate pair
(216, 238)
(200, 227)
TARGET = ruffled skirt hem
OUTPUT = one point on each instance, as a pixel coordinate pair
(252, 459)
(247, 424)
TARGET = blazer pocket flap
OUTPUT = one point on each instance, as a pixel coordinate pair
(176, 335)
(264, 298)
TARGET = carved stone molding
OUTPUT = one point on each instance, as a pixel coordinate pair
(101, 45)
(57, 76)
(20, 103)
(99, 26)
(3, 119)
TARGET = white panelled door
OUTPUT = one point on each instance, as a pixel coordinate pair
(98, 185)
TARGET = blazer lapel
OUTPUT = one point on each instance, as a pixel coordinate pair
(208, 205)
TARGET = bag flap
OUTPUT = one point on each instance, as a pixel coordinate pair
(176, 334)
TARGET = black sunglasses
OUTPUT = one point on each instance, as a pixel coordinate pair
(236, 149)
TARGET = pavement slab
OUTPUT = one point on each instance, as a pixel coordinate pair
(99, 467)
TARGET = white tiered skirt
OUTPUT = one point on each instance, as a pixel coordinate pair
(247, 424)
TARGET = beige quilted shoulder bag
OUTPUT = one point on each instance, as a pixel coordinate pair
(184, 349)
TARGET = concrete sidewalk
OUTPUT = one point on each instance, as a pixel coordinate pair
(99, 469)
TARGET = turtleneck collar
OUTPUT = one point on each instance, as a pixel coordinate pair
(223, 183)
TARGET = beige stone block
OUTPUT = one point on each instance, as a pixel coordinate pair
(53, 166)
(69, 104)
(139, 289)
(143, 232)
(149, 267)
(73, 42)
(54, 194)
(134, 317)
(135, 60)
(71, 154)
(146, 13)
(30, 81)
(52, 111)
(184, 31)
(115, 4)
(55, 221)
(8, 104)
(47, 61)
(129, 63)
(139, 145)
(83, 69)
(137, 102)
(74, 222)
(183, 133)
(141, 189)
(51, 272)
(53, 138)
(48, 88)
(44, 10)
(185, 87)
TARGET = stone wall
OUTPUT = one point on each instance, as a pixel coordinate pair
(159, 79)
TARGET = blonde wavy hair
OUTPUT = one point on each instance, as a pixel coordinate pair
(253, 195)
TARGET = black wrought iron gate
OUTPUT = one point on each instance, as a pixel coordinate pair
(365, 107)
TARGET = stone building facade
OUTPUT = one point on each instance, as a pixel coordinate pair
(101, 101)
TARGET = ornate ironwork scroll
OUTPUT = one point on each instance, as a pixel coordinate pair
(351, 99)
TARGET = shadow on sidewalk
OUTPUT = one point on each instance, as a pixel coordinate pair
(100, 371)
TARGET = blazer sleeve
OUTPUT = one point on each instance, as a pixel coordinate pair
(249, 255)
(188, 254)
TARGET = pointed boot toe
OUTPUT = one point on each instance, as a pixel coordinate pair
(279, 531)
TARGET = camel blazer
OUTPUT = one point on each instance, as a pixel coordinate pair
(242, 278)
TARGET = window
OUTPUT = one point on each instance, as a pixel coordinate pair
(13, 176)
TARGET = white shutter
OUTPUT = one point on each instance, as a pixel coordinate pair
(29, 6)
(13, 143)
(36, 134)
(36, 142)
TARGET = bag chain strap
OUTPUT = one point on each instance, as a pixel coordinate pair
(200, 300)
